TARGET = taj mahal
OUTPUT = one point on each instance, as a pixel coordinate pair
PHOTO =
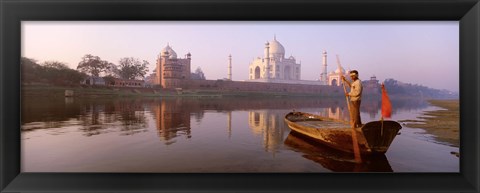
(273, 67)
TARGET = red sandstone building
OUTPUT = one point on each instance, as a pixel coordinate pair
(126, 83)
(172, 71)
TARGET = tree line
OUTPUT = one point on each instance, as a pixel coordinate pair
(58, 73)
(51, 72)
(406, 89)
(128, 67)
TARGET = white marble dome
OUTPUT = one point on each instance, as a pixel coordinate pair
(171, 52)
(338, 70)
(276, 48)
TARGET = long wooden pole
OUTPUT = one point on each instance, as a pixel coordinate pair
(356, 149)
(348, 104)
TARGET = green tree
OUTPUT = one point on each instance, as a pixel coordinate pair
(30, 70)
(50, 72)
(112, 71)
(28, 63)
(109, 80)
(132, 68)
(92, 65)
(55, 65)
(59, 73)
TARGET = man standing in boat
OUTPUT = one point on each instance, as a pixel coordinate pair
(355, 95)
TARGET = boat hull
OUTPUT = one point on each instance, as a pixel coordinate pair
(371, 138)
(334, 160)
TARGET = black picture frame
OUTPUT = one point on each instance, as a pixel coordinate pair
(12, 12)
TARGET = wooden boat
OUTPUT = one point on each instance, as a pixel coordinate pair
(372, 138)
(335, 160)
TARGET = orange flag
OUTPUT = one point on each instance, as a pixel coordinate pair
(386, 105)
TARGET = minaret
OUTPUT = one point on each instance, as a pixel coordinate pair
(324, 73)
(163, 63)
(158, 72)
(267, 58)
(230, 67)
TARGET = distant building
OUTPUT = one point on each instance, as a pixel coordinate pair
(150, 79)
(117, 82)
(197, 76)
(334, 77)
(173, 72)
(273, 65)
(93, 80)
(372, 83)
(170, 70)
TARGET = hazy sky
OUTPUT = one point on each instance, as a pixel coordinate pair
(418, 52)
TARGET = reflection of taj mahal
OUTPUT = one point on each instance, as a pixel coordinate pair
(339, 113)
(269, 125)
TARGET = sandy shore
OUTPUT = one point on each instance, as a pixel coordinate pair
(444, 124)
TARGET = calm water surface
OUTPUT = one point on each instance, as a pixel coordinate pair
(208, 135)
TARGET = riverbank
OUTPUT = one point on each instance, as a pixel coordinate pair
(104, 91)
(443, 124)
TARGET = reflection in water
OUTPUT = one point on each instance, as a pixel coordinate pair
(131, 115)
(95, 121)
(172, 119)
(124, 116)
(173, 115)
(339, 113)
(91, 116)
(229, 124)
(169, 120)
(270, 125)
(335, 160)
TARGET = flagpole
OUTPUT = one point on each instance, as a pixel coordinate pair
(381, 131)
(381, 117)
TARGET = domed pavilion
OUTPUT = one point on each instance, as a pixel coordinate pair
(273, 65)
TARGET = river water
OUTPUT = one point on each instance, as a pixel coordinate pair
(198, 135)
